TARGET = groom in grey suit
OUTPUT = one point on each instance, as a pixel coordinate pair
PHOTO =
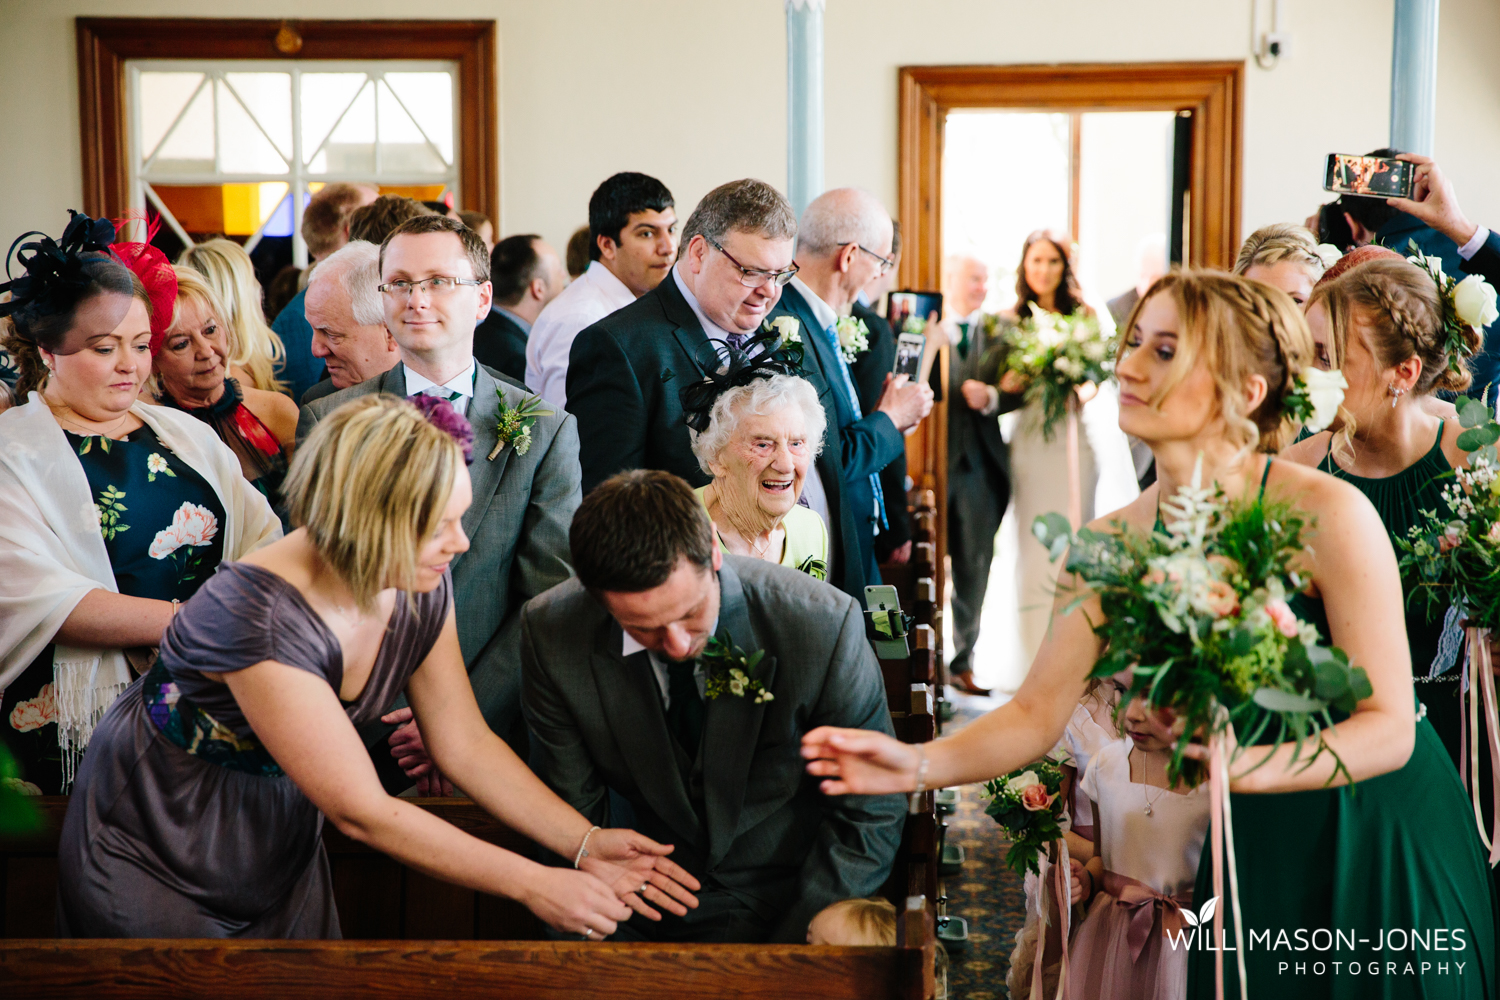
(435, 282)
(624, 695)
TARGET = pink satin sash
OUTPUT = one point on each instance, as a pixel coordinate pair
(1479, 671)
(1148, 909)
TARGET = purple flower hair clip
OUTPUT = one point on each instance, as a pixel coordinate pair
(441, 414)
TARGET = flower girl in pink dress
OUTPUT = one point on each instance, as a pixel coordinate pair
(1148, 838)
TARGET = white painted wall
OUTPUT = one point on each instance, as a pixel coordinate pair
(694, 91)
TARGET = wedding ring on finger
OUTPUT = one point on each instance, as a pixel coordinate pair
(643, 888)
(588, 933)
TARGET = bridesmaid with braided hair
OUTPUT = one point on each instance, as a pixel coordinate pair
(1381, 323)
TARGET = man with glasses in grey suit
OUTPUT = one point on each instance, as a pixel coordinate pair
(679, 680)
(435, 286)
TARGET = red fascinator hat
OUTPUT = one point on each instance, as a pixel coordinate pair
(155, 272)
(1356, 257)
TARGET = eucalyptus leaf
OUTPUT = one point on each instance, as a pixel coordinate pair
(1471, 412)
(1477, 437)
(1054, 532)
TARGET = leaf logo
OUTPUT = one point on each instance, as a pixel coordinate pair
(1203, 916)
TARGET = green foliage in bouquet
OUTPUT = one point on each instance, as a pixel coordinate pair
(18, 814)
(1028, 805)
(1198, 614)
(1055, 354)
(1452, 557)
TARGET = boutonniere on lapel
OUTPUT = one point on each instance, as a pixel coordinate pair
(515, 423)
(854, 337)
(785, 327)
(814, 567)
(727, 669)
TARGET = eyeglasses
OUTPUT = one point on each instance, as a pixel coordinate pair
(437, 286)
(885, 262)
(753, 277)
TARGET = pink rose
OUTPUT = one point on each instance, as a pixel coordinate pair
(1494, 533)
(1220, 599)
(1035, 798)
(1283, 618)
(34, 713)
(1453, 537)
(1154, 578)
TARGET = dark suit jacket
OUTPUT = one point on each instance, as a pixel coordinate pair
(869, 371)
(517, 528)
(500, 343)
(760, 830)
(1486, 260)
(974, 438)
(319, 389)
(624, 375)
(866, 445)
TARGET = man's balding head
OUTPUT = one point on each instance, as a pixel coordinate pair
(840, 217)
(966, 283)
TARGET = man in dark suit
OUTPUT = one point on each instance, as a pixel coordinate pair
(844, 243)
(626, 370)
(348, 320)
(624, 695)
(526, 275)
(435, 275)
(978, 457)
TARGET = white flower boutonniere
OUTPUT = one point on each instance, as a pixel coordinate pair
(854, 337)
(786, 327)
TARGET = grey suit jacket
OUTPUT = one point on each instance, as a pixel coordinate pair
(517, 528)
(765, 833)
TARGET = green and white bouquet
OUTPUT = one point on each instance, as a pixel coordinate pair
(1198, 614)
(1028, 805)
(1056, 354)
(1452, 557)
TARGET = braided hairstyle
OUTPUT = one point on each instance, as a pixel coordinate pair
(1401, 314)
(1237, 328)
(1277, 242)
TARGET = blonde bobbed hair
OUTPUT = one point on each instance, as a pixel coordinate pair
(1237, 328)
(370, 485)
(1270, 245)
(254, 348)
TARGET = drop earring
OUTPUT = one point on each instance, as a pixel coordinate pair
(1396, 394)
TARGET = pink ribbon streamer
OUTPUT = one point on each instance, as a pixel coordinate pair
(1143, 904)
(1479, 671)
(1075, 477)
(1221, 832)
(1062, 873)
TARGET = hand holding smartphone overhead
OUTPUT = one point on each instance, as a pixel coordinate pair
(1368, 176)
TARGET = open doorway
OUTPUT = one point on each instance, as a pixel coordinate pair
(1115, 159)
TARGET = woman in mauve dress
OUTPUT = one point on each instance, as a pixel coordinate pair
(198, 810)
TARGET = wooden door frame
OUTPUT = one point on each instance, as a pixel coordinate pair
(1213, 91)
(105, 43)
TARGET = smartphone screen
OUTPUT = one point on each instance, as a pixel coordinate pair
(909, 348)
(1370, 176)
(903, 306)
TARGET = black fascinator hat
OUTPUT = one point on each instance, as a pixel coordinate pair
(762, 356)
(59, 275)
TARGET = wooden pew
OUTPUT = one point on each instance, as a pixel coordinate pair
(421, 948)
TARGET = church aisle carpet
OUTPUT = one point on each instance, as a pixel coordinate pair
(986, 893)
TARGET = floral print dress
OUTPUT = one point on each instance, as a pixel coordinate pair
(161, 526)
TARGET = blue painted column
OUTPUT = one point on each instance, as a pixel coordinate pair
(1414, 49)
(804, 102)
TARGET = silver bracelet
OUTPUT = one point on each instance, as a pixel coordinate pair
(583, 848)
(914, 803)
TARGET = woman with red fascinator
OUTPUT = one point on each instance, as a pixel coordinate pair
(112, 512)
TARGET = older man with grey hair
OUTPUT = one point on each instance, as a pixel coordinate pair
(626, 371)
(348, 320)
(844, 243)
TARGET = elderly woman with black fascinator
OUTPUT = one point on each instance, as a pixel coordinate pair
(756, 426)
(112, 512)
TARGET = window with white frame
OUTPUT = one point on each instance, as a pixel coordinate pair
(235, 148)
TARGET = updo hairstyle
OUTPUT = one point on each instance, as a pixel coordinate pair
(1237, 328)
(1280, 241)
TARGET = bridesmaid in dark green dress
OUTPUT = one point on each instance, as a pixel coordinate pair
(1205, 366)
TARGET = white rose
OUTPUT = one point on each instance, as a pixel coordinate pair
(1022, 781)
(1330, 254)
(788, 328)
(1325, 390)
(1474, 300)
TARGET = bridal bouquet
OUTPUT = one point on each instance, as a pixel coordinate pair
(1452, 557)
(1055, 354)
(1198, 615)
(1028, 806)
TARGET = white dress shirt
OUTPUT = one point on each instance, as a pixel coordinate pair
(462, 383)
(594, 295)
(1469, 249)
(663, 679)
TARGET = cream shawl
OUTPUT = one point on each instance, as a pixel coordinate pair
(52, 552)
